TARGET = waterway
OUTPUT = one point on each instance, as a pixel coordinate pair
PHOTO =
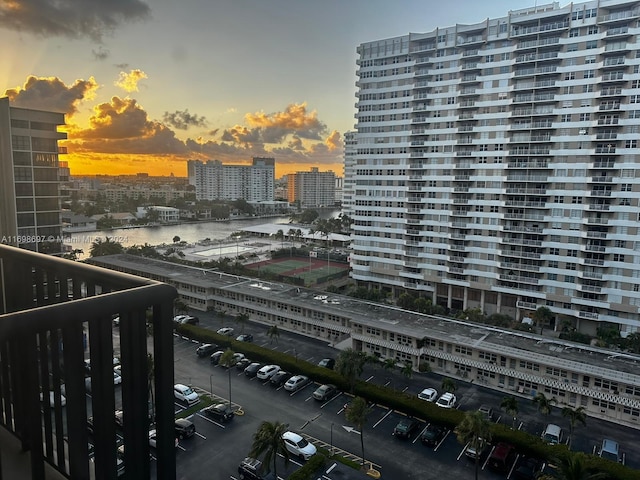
(164, 234)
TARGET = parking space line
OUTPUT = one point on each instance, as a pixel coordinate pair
(385, 416)
(420, 434)
(201, 436)
(330, 400)
(341, 452)
(369, 378)
(442, 441)
(211, 421)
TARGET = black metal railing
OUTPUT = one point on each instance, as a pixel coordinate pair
(54, 315)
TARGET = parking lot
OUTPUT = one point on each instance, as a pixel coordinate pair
(217, 448)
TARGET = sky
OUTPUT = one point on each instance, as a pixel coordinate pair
(146, 85)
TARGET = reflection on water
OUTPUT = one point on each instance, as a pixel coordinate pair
(188, 232)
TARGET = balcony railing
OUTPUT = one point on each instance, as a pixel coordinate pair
(55, 314)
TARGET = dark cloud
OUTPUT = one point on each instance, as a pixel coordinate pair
(52, 94)
(100, 54)
(122, 66)
(182, 120)
(70, 18)
(122, 126)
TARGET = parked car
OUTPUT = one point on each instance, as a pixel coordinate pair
(405, 427)
(502, 457)
(527, 468)
(296, 382)
(206, 349)
(268, 371)
(220, 412)
(447, 400)
(252, 369)
(323, 392)
(243, 363)
(252, 469)
(428, 395)
(482, 451)
(119, 418)
(298, 446)
(117, 378)
(227, 331)
(552, 434)
(610, 449)
(245, 337)
(186, 319)
(487, 411)
(432, 434)
(327, 363)
(185, 394)
(153, 439)
(184, 428)
(280, 378)
(214, 358)
(52, 399)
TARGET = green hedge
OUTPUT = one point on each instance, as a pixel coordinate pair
(409, 404)
(309, 470)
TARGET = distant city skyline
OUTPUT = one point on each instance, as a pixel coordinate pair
(147, 86)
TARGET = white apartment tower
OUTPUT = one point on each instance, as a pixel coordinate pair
(497, 164)
(348, 186)
(214, 180)
(312, 189)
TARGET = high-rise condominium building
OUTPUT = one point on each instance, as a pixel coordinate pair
(214, 180)
(497, 164)
(30, 178)
(312, 189)
(348, 187)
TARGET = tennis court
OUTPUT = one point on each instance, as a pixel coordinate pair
(310, 270)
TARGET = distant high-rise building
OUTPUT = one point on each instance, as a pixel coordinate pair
(498, 165)
(214, 180)
(312, 189)
(30, 210)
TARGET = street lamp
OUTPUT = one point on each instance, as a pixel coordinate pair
(331, 440)
(211, 386)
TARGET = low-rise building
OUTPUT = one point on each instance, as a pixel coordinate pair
(604, 382)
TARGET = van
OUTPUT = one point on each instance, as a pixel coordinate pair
(610, 449)
(553, 434)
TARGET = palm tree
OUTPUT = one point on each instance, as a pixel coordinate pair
(350, 365)
(280, 236)
(228, 360)
(273, 332)
(242, 319)
(448, 385)
(407, 370)
(268, 441)
(573, 466)
(474, 431)
(357, 414)
(108, 247)
(543, 403)
(575, 415)
(510, 406)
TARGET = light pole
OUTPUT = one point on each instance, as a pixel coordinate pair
(211, 386)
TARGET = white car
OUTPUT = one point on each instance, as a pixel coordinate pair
(228, 331)
(268, 371)
(117, 379)
(447, 400)
(185, 394)
(179, 318)
(298, 446)
(296, 382)
(52, 399)
(428, 395)
(152, 439)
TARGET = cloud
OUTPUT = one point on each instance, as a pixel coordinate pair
(182, 120)
(129, 81)
(334, 141)
(100, 54)
(70, 18)
(122, 126)
(275, 127)
(50, 93)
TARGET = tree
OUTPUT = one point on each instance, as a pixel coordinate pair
(544, 404)
(279, 235)
(350, 365)
(407, 370)
(242, 319)
(542, 316)
(228, 360)
(575, 415)
(573, 466)
(176, 239)
(448, 385)
(357, 414)
(107, 247)
(510, 406)
(474, 431)
(180, 307)
(273, 332)
(268, 443)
